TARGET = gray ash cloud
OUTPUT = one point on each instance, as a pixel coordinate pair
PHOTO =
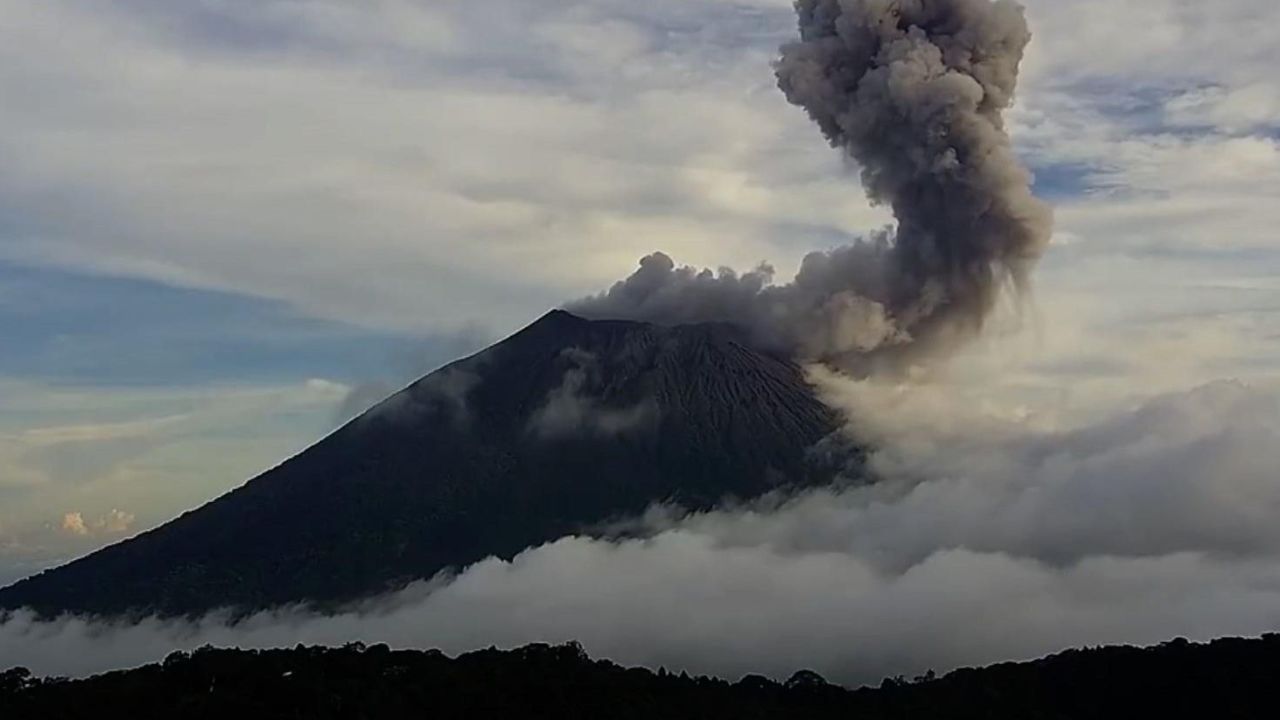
(913, 91)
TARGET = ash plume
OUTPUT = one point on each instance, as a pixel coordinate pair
(913, 91)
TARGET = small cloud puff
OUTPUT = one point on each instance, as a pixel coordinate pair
(73, 523)
(570, 408)
(115, 522)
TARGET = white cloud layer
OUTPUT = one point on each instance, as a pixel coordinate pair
(990, 537)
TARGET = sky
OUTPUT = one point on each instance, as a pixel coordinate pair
(226, 225)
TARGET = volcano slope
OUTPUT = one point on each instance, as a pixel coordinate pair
(564, 426)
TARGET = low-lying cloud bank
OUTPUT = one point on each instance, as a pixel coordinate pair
(990, 536)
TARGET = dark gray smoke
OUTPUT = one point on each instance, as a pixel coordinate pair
(913, 91)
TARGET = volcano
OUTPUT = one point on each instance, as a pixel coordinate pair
(560, 429)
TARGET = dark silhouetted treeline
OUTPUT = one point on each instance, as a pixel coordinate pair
(1224, 679)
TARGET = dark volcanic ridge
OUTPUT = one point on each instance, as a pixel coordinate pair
(566, 425)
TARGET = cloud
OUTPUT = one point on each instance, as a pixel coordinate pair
(392, 153)
(915, 96)
(1168, 131)
(571, 410)
(1186, 473)
(1236, 110)
(444, 392)
(126, 458)
(410, 365)
(115, 522)
(1012, 521)
(73, 522)
(104, 432)
(995, 533)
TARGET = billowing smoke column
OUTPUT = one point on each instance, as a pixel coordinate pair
(913, 91)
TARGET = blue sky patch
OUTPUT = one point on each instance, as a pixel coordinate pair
(64, 327)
